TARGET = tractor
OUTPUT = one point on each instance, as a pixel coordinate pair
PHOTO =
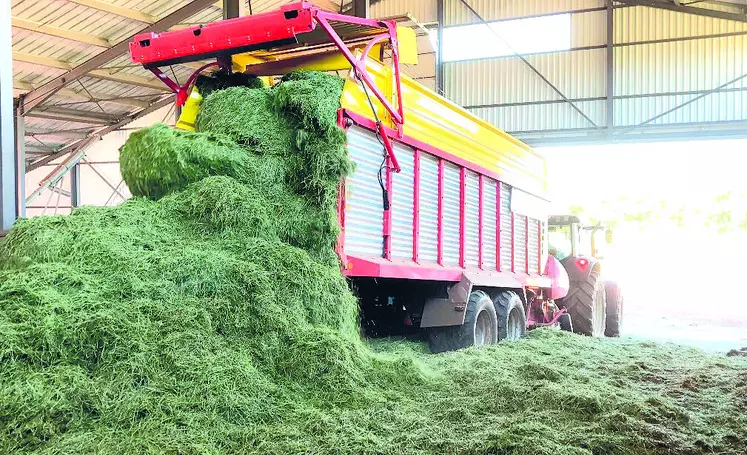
(593, 303)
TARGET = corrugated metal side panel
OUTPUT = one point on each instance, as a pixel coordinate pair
(509, 80)
(506, 246)
(534, 244)
(472, 221)
(489, 190)
(428, 240)
(451, 214)
(520, 245)
(719, 107)
(639, 23)
(424, 11)
(363, 208)
(671, 70)
(535, 117)
(456, 13)
(403, 184)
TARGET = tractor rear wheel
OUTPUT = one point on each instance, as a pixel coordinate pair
(614, 297)
(586, 303)
(480, 327)
(512, 320)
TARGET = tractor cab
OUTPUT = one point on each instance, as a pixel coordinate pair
(569, 237)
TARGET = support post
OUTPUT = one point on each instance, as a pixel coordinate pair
(362, 8)
(610, 69)
(8, 185)
(75, 185)
(20, 149)
(231, 8)
(440, 48)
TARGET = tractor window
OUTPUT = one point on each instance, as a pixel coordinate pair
(559, 238)
(583, 246)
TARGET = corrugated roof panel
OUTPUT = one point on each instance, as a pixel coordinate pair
(455, 13)
(57, 48)
(34, 74)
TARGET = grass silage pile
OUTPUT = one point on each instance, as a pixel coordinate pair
(208, 316)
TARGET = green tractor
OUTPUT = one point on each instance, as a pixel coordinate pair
(594, 303)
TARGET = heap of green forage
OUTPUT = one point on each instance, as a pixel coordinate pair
(208, 315)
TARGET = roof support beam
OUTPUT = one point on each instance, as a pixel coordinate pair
(99, 74)
(117, 10)
(111, 118)
(32, 99)
(76, 134)
(83, 96)
(77, 117)
(686, 9)
(59, 32)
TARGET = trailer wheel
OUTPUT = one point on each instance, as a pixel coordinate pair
(512, 321)
(480, 327)
(614, 297)
(586, 303)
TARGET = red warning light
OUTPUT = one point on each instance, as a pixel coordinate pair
(583, 263)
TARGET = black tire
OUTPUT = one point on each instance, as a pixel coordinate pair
(512, 320)
(614, 296)
(480, 327)
(566, 323)
(586, 303)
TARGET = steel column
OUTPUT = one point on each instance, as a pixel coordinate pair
(75, 185)
(20, 150)
(8, 187)
(440, 48)
(231, 9)
(610, 68)
(362, 8)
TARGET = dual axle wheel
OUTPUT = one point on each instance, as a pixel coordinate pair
(486, 322)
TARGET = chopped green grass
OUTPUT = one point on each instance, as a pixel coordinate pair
(208, 315)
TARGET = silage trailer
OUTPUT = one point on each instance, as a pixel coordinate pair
(444, 220)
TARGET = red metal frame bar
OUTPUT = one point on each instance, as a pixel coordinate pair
(440, 259)
(388, 211)
(526, 246)
(416, 206)
(181, 91)
(479, 222)
(513, 242)
(498, 210)
(341, 202)
(539, 247)
(462, 216)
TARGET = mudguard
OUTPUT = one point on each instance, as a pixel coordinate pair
(559, 278)
(579, 267)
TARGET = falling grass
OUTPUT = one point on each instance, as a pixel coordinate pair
(208, 315)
